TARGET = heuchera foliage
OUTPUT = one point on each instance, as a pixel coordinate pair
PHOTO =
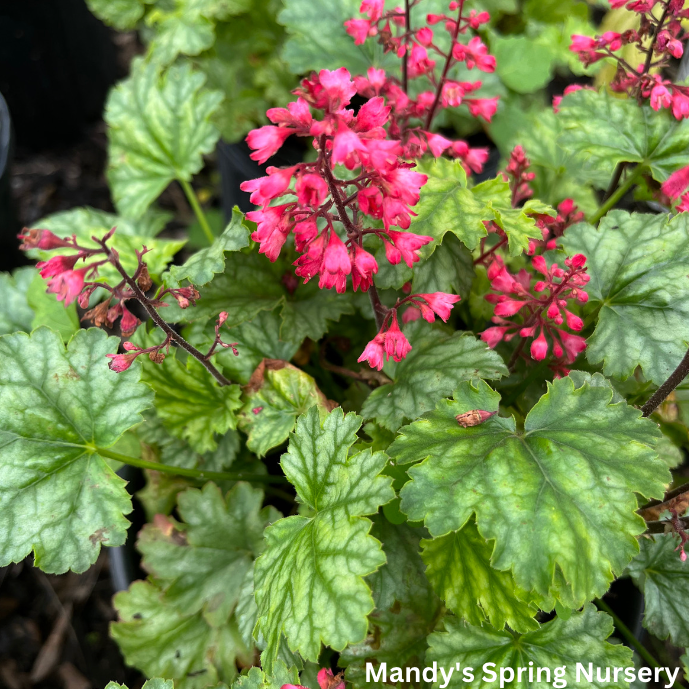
(409, 409)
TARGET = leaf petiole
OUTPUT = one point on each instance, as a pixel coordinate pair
(629, 636)
(198, 211)
(621, 191)
(199, 474)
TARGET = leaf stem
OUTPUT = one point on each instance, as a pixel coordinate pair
(629, 636)
(198, 211)
(676, 377)
(614, 198)
(199, 474)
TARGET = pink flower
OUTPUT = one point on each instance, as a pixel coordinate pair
(364, 266)
(338, 87)
(483, 107)
(478, 18)
(425, 36)
(492, 336)
(129, 322)
(573, 344)
(297, 114)
(304, 232)
(477, 55)
(395, 212)
(68, 284)
(437, 144)
(452, 94)
(371, 201)
(311, 190)
(345, 143)
(273, 227)
(374, 113)
(660, 97)
(56, 265)
(264, 189)
(336, 265)
(676, 184)
(358, 29)
(374, 352)
(680, 105)
(41, 239)
(508, 307)
(121, 362)
(408, 243)
(573, 321)
(266, 141)
(309, 264)
(396, 344)
(682, 206)
(418, 62)
(441, 303)
(374, 9)
(582, 44)
(539, 347)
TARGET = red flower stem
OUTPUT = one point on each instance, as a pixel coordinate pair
(651, 48)
(485, 255)
(407, 28)
(676, 377)
(446, 69)
(163, 325)
(379, 310)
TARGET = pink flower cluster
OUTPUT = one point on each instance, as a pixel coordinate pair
(384, 186)
(391, 341)
(417, 47)
(69, 284)
(666, 38)
(540, 314)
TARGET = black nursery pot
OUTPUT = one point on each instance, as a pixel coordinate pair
(236, 167)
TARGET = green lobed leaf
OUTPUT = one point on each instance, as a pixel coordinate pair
(308, 583)
(447, 205)
(169, 449)
(449, 269)
(558, 498)
(458, 567)
(155, 683)
(122, 14)
(159, 129)
(275, 396)
(58, 497)
(252, 284)
(664, 580)
(406, 607)
(639, 268)
(202, 563)
(48, 311)
(603, 130)
(191, 405)
(255, 678)
(436, 365)
(256, 340)
(200, 268)
(558, 643)
(15, 312)
(319, 40)
(160, 640)
(517, 224)
(184, 29)
(129, 237)
(522, 65)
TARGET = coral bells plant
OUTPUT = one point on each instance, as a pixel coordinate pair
(408, 409)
